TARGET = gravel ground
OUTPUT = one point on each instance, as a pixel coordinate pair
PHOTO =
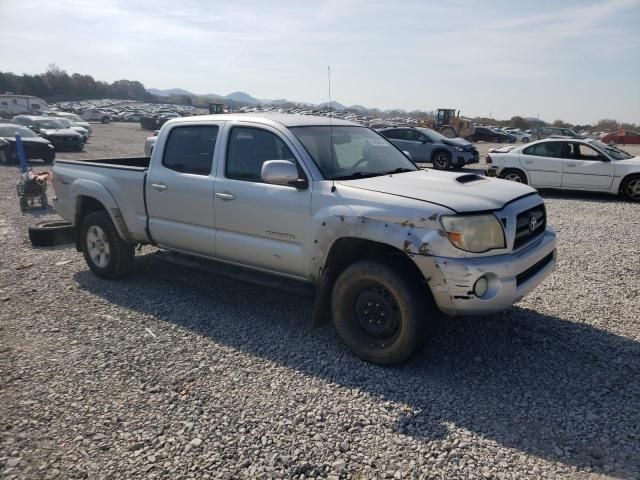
(178, 374)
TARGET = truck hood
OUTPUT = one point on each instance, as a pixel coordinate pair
(461, 192)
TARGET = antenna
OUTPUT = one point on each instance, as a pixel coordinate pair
(333, 186)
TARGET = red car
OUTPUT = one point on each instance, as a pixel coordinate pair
(630, 138)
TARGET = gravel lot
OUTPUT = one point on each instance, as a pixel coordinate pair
(178, 374)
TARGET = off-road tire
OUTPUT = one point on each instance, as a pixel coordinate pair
(409, 306)
(121, 253)
(50, 234)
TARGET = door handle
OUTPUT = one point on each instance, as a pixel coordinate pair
(571, 164)
(159, 186)
(225, 196)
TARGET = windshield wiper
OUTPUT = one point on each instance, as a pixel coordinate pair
(399, 170)
(358, 175)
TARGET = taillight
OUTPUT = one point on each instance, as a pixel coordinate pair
(488, 159)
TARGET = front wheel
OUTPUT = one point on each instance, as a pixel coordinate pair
(378, 312)
(631, 189)
(525, 139)
(105, 252)
(441, 160)
(105, 120)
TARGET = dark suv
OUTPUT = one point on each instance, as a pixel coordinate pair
(426, 145)
(488, 134)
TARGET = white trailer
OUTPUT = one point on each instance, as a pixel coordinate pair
(11, 104)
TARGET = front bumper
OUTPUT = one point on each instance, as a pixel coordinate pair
(510, 277)
(460, 159)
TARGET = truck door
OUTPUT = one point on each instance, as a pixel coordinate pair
(179, 189)
(259, 224)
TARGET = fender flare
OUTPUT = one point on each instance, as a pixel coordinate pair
(87, 188)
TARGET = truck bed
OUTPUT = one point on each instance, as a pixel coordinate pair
(129, 163)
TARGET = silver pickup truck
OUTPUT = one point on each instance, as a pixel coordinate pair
(329, 204)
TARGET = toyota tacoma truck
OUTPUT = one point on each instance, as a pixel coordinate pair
(321, 203)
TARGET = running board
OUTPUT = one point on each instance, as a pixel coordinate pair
(234, 272)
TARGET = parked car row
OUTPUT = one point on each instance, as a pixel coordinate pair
(41, 136)
(111, 110)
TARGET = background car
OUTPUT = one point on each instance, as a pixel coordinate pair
(569, 164)
(487, 134)
(630, 138)
(74, 118)
(73, 126)
(519, 134)
(556, 132)
(426, 145)
(149, 143)
(35, 147)
(96, 115)
(61, 137)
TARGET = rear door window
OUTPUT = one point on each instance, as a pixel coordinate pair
(190, 149)
(547, 149)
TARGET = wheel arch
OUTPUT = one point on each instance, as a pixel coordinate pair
(516, 169)
(347, 250)
(628, 176)
(90, 197)
(437, 150)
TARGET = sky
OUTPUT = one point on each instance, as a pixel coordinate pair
(578, 61)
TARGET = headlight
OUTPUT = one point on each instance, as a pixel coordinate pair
(474, 233)
(459, 149)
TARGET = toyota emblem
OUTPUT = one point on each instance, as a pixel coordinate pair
(533, 223)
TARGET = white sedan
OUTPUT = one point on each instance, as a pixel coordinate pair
(569, 164)
(521, 136)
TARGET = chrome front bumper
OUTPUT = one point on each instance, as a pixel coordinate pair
(510, 277)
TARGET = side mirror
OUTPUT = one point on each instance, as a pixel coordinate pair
(282, 172)
(407, 154)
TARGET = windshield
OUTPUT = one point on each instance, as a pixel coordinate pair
(343, 153)
(50, 124)
(10, 131)
(432, 134)
(613, 152)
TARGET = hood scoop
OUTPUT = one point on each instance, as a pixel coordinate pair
(471, 177)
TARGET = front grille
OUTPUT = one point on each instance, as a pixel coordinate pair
(533, 270)
(524, 223)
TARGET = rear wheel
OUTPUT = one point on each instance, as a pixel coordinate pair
(525, 139)
(106, 253)
(441, 160)
(514, 176)
(449, 132)
(378, 312)
(631, 189)
(105, 119)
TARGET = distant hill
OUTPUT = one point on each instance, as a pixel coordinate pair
(334, 105)
(243, 97)
(169, 92)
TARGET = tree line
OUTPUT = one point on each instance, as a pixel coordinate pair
(57, 85)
